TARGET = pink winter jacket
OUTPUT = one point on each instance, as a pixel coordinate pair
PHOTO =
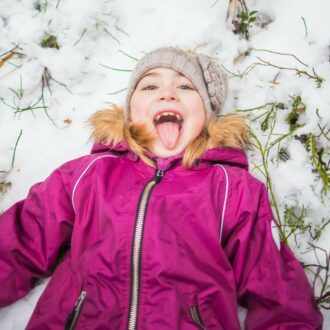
(152, 250)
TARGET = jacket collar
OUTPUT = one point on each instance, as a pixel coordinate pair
(225, 134)
(221, 155)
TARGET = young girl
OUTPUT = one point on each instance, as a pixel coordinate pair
(161, 226)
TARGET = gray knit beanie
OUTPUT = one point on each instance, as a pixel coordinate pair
(205, 74)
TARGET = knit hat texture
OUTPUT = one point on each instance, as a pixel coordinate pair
(205, 74)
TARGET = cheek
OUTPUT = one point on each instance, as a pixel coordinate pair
(196, 124)
(197, 127)
(137, 109)
(199, 113)
(199, 118)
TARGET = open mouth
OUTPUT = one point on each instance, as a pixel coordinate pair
(169, 126)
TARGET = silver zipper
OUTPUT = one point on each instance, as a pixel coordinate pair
(76, 311)
(135, 285)
(196, 316)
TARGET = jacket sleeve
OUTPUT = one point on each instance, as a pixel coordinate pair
(271, 283)
(32, 233)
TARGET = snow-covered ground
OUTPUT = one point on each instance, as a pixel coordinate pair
(89, 48)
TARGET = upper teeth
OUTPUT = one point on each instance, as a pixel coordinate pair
(167, 114)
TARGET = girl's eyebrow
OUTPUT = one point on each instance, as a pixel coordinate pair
(156, 74)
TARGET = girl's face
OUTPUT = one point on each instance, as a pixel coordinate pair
(171, 107)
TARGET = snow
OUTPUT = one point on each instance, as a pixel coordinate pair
(95, 36)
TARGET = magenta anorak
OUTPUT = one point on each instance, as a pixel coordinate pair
(169, 249)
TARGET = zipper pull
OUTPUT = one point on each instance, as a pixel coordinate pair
(74, 315)
(159, 175)
(80, 300)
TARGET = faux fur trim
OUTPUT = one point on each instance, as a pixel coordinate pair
(228, 131)
(109, 127)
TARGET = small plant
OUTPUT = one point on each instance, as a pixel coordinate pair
(294, 221)
(243, 23)
(269, 117)
(298, 107)
(49, 41)
(17, 101)
(241, 17)
(267, 121)
(321, 273)
(322, 167)
(19, 97)
(319, 229)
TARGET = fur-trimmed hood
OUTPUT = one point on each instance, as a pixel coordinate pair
(222, 141)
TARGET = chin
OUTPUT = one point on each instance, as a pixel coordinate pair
(163, 152)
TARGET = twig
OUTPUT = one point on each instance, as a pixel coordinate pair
(117, 92)
(318, 79)
(115, 69)
(269, 181)
(256, 108)
(325, 134)
(30, 108)
(81, 35)
(232, 73)
(304, 26)
(258, 117)
(258, 167)
(111, 35)
(319, 230)
(13, 50)
(251, 67)
(14, 154)
(130, 56)
(279, 53)
(122, 31)
(45, 79)
(324, 296)
(282, 137)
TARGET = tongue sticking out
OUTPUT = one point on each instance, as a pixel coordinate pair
(169, 133)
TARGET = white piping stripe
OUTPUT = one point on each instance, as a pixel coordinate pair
(82, 174)
(224, 202)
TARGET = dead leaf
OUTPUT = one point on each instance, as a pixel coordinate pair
(4, 187)
(6, 58)
(241, 55)
(301, 110)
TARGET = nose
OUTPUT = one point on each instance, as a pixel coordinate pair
(167, 94)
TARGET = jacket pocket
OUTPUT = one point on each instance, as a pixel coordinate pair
(75, 313)
(196, 317)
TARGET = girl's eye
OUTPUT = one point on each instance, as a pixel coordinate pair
(185, 87)
(149, 87)
(153, 87)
